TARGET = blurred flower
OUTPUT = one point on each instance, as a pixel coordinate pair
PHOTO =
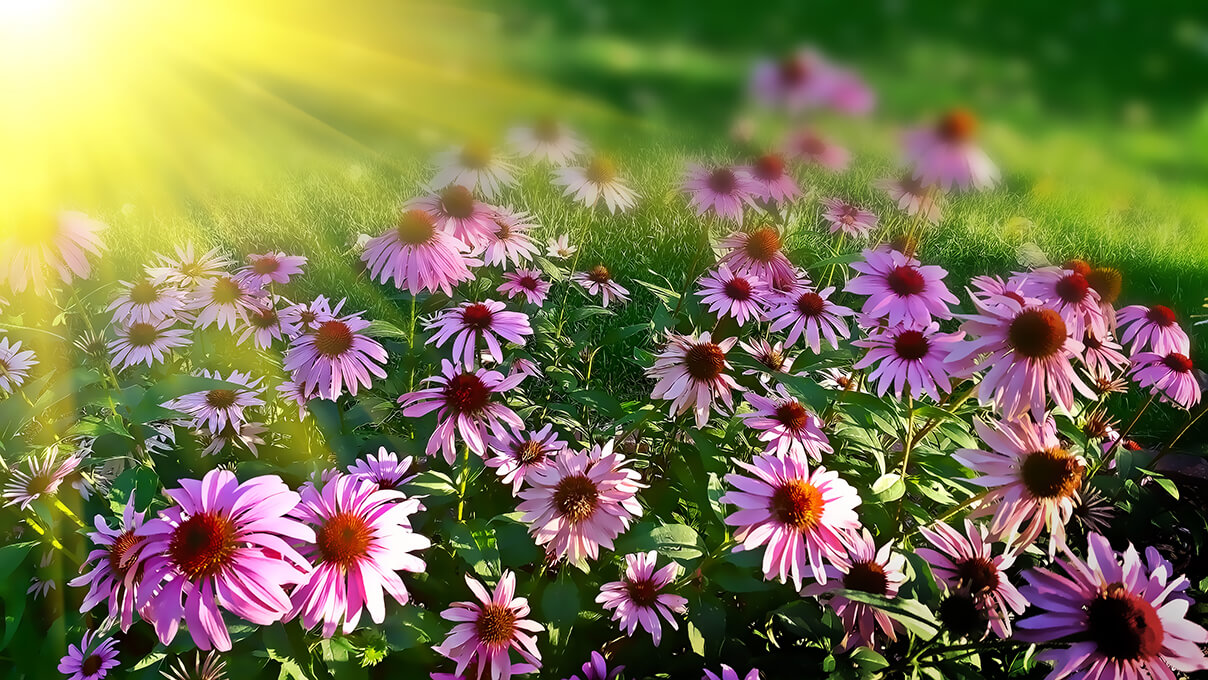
(274, 267)
(598, 281)
(724, 190)
(486, 631)
(453, 210)
(248, 435)
(809, 147)
(474, 165)
(772, 181)
(848, 218)
(14, 365)
(598, 179)
(560, 247)
(189, 268)
(61, 244)
(638, 598)
(418, 255)
(546, 140)
(912, 197)
(945, 156)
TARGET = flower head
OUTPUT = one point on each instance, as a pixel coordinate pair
(109, 580)
(810, 315)
(598, 281)
(811, 148)
(486, 631)
(848, 218)
(189, 268)
(86, 662)
(215, 409)
(772, 180)
(945, 155)
(418, 255)
(786, 425)
(909, 358)
(691, 374)
(900, 288)
(548, 141)
(1069, 293)
(337, 356)
(597, 180)
(759, 253)
(912, 197)
(510, 242)
(145, 343)
(867, 569)
(527, 282)
(224, 300)
(14, 365)
(475, 166)
(723, 189)
(265, 325)
(385, 469)
(469, 323)
(1171, 376)
(736, 295)
(274, 267)
(464, 401)
(518, 454)
(560, 248)
(1153, 328)
(457, 212)
(59, 245)
(146, 302)
(638, 598)
(39, 476)
(980, 597)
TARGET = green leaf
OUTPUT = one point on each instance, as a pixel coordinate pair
(560, 602)
(888, 487)
(679, 541)
(475, 544)
(910, 613)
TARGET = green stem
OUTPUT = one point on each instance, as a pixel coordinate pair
(1170, 445)
(461, 488)
(1107, 458)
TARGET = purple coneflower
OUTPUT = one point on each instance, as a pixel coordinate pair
(296, 394)
(1171, 376)
(909, 357)
(526, 282)
(146, 343)
(809, 147)
(269, 268)
(189, 268)
(758, 253)
(264, 325)
(209, 667)
(725, 190)
(418, 255)
(470, 322)
(86, 662)
(306, 317)
(109, 579)
(786, 425)
(772, 180)
(597, 669)
(224, 300)
(486, 631)
(14, 365)
(728, 673)
(772, 357)
(337, 356)
(1070, 295)
(801, 80)
(519, 454)
(385, 469)
(511, 241)
(1103, 356)
(475, 166)
(464, 401)
(560, 248)
(912, 197)
(597, 180)
(809, 314)
(457, 212)
(248, 435)
(61, 244)
(598, 281)
(980, 597)
(1153, 328)
(40, 476)
(546, 140)
(945, 155)
(638, 598)
(848, 218)
(146, 302)
(741, 296)
(867, 569)
(215, 409)
(691, 374)
(900, 288)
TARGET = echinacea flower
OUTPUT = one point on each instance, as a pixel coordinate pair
(14, 365)
(418, 255)
(1171, 376)
(1070, 295)
(758, 253)
(475, 166)
(248, 435)
(912, 197)
(728, 673)
(518, 454)
(597, 180)
(773, 182)
(1030, 477)
(866, 569)
(109, 579)
(189, 268)
(265, 325)
(560, 248)
(469, 323)
(1103, 356)
(691, 374)
(60, 244)
(222, 544)
(146, 343)
(741, 296)
(308, 316)
(1122, 619)
(337, 356)
(298, 395)
(511, 241)
(638, 598)
(1155, 329)
(909, 358)
(272, 267)
(725, 190)
(464, 401)
(945, 155)
(146, 302)
(39, 476)
(798, 516)
(486, 631)
(772, 357)
(385, 469)
(801, 80)
(363, 538)
(224, 300)
(88, 662)
(526, 282)
(546, 140)
(598, 281)
(900, 288)
(597, 669)
(215, 409)
(209, 667)
(457, 212)
(811, 148)
(980, 596)
(811, 315)
(848, 218)
(786, 425)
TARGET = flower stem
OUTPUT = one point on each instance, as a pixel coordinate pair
(1107, 458)
(1170, 445)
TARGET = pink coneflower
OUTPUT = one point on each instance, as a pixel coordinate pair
(475, 166)
(296, 394)
(470, 322)
(772, 357)
(1153, 328)
(798, 515)
(1171, 376)
(61, 244)
(864, 568)
(546, 140)
(189, 268)
(39, 477)
(457, 212)
(464, 403)
(274, 267)
(526, 282)
(87, 662)
(223, 543)
(811, 315)
(224, 300)
(987, 289)
(900, 288)
(735, 295)
(598, 281)
(215, 409)
(801, 80)
(264, 325)
(247, 435)
(773, 181)
(597, 669)
(786, 425)
(511, 241)
(486, 631)
(109, 579)
(335, 357)
(909, 357)
(723, 189)
(1032, 480)
(912, 197)
(1028, 353)
(850, 94)
(1070, 294)
(363, 537)
(385, 469)
(14, 365)
(560, 248)
(944, 154)
(758, 253)
(598, 179)
(691, 374)
(638, 598)
(146, 302)
(309, 316)
(145, 343)
(519, 454)
(1123, 618)
(418, 255)
(728, 673)
(581, 501)
(837, 379)
(980, 597)
(848, 218)
(807, 146)
(1103, 356)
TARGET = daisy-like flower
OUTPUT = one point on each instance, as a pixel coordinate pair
(224, 300)
(900, 288)
(476, 166)
(61, 244)
(526, 282)
(264, 325)
(912, 197)
(309, 316)
(109, 579)
(728, 673)
(691, 374)
(14, 365)
(209, 667)
(638, 598)
(296, 394)
(1103, 356)
(735, 295)
(464, 401)
(811, 315)
(456, 211)
(786, 425)
(772, 357)
(980, 598)
(337, 356)
(1108, 283)
(597, 669)
(581, 501)
(1171, 376)
(1028, 352)
(39, 476)
(1070, 294)
(88, 661)
(418, 255)
(274, 267)
(546, 140)
(811, 148)
(909, 358)
(189, 268)
(146, 343)
(848, 218)
(470, 322)
(248, 435)
(385, 469)
(597, 180)
(772, 180)
(519, 454)
(798, 515)
(363, 538)
(1031, 480)
(215, 409)
(1153, 328)
(222, 544)
(945, 155)
(487, 630)
(598, 281)
(146, 302)
(867, 569)
(758, 253)
(1122, 618)
(511, 241)
(837, 379)
(801, 80)
(723, 189)
(560, 248)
